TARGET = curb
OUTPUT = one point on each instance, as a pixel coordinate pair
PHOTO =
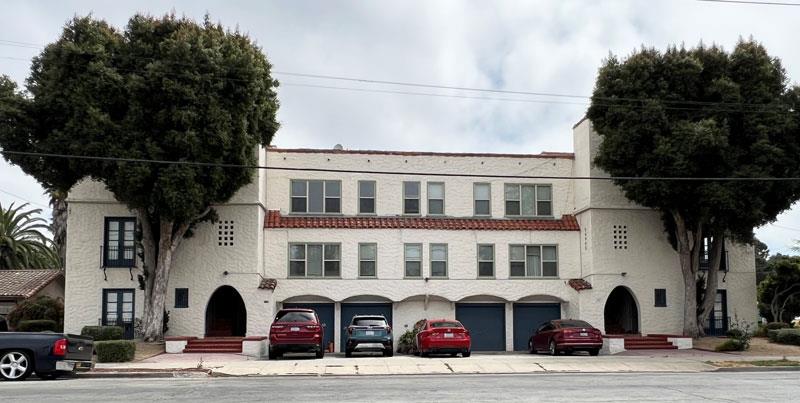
(144, 374)
(757, 369)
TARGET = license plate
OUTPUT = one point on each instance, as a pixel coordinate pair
(64, 366)
(369, 332)
(295, 329)
(448, 335)
(584, 334)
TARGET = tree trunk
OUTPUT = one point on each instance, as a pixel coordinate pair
(688, 254)
(712, 282)
(149, 252)
(58, 203)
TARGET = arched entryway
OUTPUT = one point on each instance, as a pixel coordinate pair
(621, 312)
(225, 314)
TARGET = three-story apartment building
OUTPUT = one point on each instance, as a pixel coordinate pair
(501, 242)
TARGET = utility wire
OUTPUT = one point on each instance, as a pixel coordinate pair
(16, 196)
(357, 171)
(763, 3)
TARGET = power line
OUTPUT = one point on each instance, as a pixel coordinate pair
(763, 3)
(371, 172)
(16, 196)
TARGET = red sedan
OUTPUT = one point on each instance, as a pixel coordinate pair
(443, 336)
(566, 335)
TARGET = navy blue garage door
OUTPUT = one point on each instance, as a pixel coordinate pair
(326, 315)
(350, 310)
(528, 317)
(486, 324)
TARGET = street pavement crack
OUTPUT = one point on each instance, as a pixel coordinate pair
(450, 368)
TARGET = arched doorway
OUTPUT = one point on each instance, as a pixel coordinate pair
(621, 313)
(225, 314)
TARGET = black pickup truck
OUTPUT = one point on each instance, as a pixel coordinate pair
(47, 354)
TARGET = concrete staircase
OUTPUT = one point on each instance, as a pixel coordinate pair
(214, 345)
(650, 342)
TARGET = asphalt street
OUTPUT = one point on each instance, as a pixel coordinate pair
(727, 386)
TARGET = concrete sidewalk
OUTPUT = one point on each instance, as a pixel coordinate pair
(507, 363)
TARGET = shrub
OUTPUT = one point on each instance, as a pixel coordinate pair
(777, 325)
(730, 345)
(101, 333)
(41, 307)
(788, 336)
(734, 333)
(740, 332)
(772, 335)
(761, 331)
(115, 350)
(41, 325)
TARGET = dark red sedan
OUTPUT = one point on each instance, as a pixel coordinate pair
(443, 336)
(566, 336)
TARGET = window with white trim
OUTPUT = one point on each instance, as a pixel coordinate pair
(485, 260)
(316, 196)
(528, 200)
(482, 195)
(438, 259)
(533, 261)
(412, 254)
(314, 260)
(436, 198)
(410, 197)
(366, 197)
(367, 260)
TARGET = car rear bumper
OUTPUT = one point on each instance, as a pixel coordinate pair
(73, 365)
(369, 344)
(449, 345)
(296, 347)
(579, 344)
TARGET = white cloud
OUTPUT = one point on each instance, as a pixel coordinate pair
(544, 45)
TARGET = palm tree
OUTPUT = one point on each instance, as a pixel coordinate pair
(23, 245)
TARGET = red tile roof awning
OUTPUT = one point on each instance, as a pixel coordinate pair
(580, 284)
(25, 283)
(275, 219)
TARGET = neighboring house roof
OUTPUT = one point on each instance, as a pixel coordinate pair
(545, 154)
(274, 219)
(25, 283)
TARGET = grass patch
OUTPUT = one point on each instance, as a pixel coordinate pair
(758, 363)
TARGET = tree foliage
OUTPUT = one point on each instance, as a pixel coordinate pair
(168, 89)
(779, 292)
(23, 243)
(42, 307)
(700, 113)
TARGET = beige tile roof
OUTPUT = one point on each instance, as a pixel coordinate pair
(25, 283)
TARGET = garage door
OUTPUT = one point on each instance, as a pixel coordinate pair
(527, 317)
(326, 315)
(486, 324)
(350, 310)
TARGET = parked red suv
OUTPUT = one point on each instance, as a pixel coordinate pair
(296, 330)
(566, 335)
(443, 336)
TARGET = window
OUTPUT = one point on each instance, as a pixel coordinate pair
(314, 260)
(316, 196)
(367, 260)
(533, 261)
(413, 259)
(482, 194)
(705, 255)
(528, 200)
(119, 246)
(118, 309)
(435, 198)
(438, 260)
(410, 197)
(485, 260)
(295, 316)
(661, 297)
(366, 197)
(181, 298)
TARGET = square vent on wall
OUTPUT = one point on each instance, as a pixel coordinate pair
(225, 233)
(620, 236)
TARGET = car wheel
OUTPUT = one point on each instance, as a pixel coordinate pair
(320, 352)
(15, 365)
(553, 350)
(531, 350)
(272, 354)
(416, 352)
(388, 352)
(48, 376)
(454, 354)
(348, 353)
(594, 352)
(424, 354)
(466, 354)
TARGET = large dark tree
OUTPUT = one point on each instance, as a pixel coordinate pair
(779, 293)
(698, 113)
(166, 89)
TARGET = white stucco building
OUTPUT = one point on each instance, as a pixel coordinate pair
(423, 235)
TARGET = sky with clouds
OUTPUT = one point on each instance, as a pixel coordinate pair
(536, 45)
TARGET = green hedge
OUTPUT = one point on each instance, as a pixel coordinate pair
(778, 325)
(785, 336)
(40, 325)
(102, 333)
(730, 345)
(115, 350)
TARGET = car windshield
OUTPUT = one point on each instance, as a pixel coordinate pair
(573, 323)
(294, 316)
(445, 324)
(369, 322)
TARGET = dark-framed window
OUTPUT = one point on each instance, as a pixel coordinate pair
(315, 260)
(660, 297)
(705, 255)
(119, 246)
(119, 309)
(181, 298)
(411, 198)
(486, 260)
(528, 200)
(533, 261)
(316, 196)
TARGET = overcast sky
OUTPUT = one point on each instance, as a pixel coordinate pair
(537, 45)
